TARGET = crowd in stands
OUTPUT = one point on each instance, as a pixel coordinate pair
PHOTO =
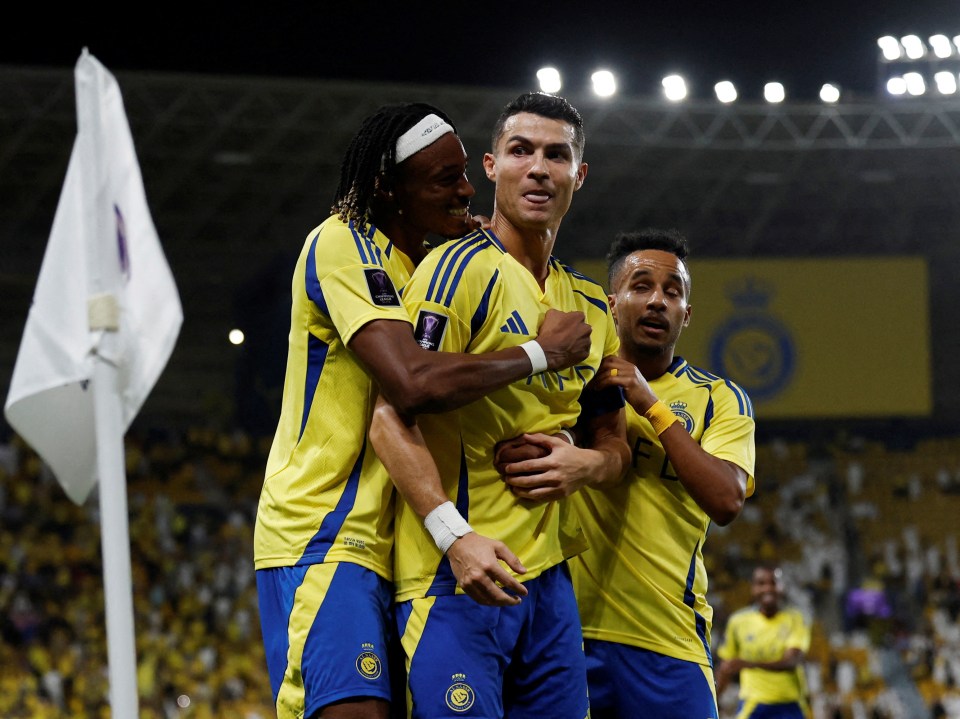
(866, 534)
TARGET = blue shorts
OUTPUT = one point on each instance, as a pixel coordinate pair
(783, 710)
(522, 662)
(623, 679)
(326, 631)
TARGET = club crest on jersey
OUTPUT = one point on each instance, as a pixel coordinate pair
(381, 288)
(679, 408)
(368, 663)
(460, 695)
(430, 329)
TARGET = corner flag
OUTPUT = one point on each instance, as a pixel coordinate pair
(103, 273)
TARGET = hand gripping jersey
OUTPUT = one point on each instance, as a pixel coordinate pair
(754, 637)
(643, 581)
(324, 498)
(472, 296)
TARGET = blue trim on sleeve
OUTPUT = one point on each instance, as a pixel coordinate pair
(746, 406)
(445, 266)
(311, 281)
(361, 244)
(456, 279)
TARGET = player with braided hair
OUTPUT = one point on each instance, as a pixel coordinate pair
(372, 153)
(324, 534)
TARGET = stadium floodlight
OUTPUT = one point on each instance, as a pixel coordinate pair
(941, 46)
(830, 93)
(774, 92)
(725, 91)
(896, 86)
(549, 78)
(890, 47)
(946, 82)
(604, 83)
(913, 46)
(675, 88)
(236, 337)
(915, 83)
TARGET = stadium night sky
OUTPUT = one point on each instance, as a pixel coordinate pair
(493, 44)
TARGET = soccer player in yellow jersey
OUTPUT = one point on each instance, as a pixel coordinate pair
(641, 586)
(324, 533)
(766, 644)
(518, 652)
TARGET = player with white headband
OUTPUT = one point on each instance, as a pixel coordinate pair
(324, 534)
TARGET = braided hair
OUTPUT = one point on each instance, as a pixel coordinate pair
(371, 155)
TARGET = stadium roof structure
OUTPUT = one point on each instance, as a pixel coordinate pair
(238, 170)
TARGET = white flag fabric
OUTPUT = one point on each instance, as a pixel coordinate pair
(103, 242)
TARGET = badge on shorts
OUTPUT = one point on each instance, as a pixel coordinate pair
(429, 330)
(381, 288)
(368, 663)
(460, 696)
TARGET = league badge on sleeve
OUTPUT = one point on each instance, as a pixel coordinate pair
(430, 329)
(382, 291)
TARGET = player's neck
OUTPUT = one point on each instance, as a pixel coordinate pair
(412, 245)
(531, 247)
(652, 364)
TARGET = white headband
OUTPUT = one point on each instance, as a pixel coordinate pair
(426, 132)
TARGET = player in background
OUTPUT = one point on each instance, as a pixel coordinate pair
(766, 644)
(324, 531)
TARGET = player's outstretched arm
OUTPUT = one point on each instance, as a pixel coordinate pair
(719, 487)
(416, 380)
(475, 559)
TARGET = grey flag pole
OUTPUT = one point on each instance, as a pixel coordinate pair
(115, 535)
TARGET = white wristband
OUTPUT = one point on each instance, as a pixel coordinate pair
(568, 434)
(537, 358)
(446, 525)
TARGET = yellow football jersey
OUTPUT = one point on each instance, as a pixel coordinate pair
(643, 582)
(472, 296)
(752, 636)
(323, 499)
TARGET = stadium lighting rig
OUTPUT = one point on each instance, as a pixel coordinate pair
(676, 90)
(604, 83)
(549, 78)
(912, 66)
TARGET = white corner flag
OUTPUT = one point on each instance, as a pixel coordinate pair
(103, 243)
(104, 320)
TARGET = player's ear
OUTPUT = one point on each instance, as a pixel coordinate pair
(490, 166)
(383, 188)
(581, 175)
